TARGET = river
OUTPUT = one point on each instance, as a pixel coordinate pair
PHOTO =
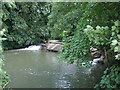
(41, 69)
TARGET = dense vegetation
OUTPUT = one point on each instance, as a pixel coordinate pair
(85, 25)
(25, 23)
(79, 25)
(3, 75)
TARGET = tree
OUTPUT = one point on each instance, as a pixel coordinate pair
(25, 23)
(93, 27)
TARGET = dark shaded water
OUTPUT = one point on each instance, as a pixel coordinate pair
(41, 69)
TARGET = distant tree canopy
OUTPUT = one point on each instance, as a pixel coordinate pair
(67, 21)
(25, 23)
(66, 17)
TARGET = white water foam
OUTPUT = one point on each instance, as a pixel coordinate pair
(32, 47)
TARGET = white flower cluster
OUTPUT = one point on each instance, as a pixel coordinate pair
(88, 28)
(2, 31)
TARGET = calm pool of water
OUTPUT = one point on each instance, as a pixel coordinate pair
(41, 69)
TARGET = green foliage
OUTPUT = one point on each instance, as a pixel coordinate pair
(76, 49)
(3, 75)
(99, 36)
(25, 23)
(105, 36)
(68, 22)
(115, 44)
(64, 18)
(77, 39)
(67, 19)
(111, 78)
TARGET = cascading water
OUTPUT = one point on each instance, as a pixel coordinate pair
(32, 47)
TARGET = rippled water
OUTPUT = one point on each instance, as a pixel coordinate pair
(41, 69)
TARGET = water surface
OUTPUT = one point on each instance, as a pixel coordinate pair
(41, 69)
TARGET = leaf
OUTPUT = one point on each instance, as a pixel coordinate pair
(117, 23)
(117, 56)
(113, 33)
(113, 28)
(118, 36)
(116, 49)
(114, 42)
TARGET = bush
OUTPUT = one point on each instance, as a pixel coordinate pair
(111, 78)
(4, 78)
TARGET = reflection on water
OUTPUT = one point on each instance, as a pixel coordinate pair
(40, 69)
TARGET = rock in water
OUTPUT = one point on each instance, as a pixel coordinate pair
(54, 45)
(98, 61)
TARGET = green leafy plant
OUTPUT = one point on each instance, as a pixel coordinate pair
(76, 50)
(110, 79)
(99, 36)
(115, 44)
(25, 23)
(4, 78)
(68, 21)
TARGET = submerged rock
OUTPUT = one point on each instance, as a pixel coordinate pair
(93, 49)
(98, 61)
(96, 54)
(53, 45)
